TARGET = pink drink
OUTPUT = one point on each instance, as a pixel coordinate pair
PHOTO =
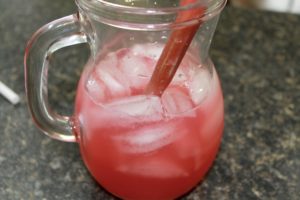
(146, 147)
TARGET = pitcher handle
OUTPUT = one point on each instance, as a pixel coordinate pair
(48, 39)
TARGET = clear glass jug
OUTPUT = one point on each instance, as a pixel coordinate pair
(136, 145)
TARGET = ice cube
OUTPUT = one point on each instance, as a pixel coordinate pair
(137, 68)
(151, 137)
(95, 89)
(148, 107)
(176, 100)
(155, 168)
(200, 85)
(110, 79)
(113, 82)
(190, 60)
(180, 77)
(152, 51)
(214, 117)
(186, 69)
(110, 60)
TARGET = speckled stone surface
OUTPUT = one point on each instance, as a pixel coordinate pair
(257, 55)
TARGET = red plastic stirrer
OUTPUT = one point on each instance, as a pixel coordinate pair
(174, 50)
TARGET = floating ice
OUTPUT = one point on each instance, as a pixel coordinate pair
(139, 106)
(95, 88)
(137, 69)
(106, 81)
(200, 85)
(152, 137)
(180, 77)
(152, 51)
(176, 100)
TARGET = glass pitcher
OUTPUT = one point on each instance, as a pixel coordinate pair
(136, 145)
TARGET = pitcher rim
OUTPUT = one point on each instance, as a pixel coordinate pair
(157, 19)
(216, 6)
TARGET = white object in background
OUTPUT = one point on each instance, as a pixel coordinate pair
(10, 95)
(295, 6)
(292, 6)
(275, 5)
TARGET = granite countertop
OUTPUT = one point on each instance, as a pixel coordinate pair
(257, 55)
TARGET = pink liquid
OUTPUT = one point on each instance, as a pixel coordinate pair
(144, 147)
